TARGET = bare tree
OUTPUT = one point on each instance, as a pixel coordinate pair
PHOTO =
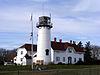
(2, 55)
(95, 52)
(6, 55)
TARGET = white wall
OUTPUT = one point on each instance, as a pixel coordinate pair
(21, 56)
(52, 55)
(60, 54)
(24, 61)
(14, 59)
(74, 55)
(43, 44)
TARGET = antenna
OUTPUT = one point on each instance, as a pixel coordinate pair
(43, 8)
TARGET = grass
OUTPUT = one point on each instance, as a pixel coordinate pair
(14, 68)
(59, 72)
(47, 67)
(70, 66)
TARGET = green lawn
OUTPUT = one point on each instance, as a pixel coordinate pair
(59, 72)
(14, 68)
(70, 66)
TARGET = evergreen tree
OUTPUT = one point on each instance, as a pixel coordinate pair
(74, 42)
(87, 55)
(80, 44)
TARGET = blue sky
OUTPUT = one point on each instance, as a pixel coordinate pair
(77, 20)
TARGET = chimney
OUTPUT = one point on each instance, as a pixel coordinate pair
(60, 40)
(55, 39)
(70, 41)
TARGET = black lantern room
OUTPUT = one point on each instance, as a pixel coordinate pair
(44, 21)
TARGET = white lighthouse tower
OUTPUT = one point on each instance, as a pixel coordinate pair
(44, 42)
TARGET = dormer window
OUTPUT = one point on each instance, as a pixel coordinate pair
(47, 51)
(70, 50)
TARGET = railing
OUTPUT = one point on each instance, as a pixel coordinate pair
(44, 24)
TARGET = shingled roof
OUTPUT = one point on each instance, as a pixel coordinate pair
(28, 47)
(61, 46)
(58, 46)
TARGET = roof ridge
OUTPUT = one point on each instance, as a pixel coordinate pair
(55, 46)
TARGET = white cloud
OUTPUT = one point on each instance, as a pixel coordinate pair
(71, 25)
(82, 5)
(88, 5)
(78, 20)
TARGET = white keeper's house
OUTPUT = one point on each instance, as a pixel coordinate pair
(61, 52)
(47, 51)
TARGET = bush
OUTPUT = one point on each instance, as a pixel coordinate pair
(96, 62)
(80, 63)
(60, 63)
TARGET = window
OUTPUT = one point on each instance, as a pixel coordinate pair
(80, 59)
(15, 59)
(74, 59)
(21, 52)
(63, 59)
(70, 50)
(47, 51)
(57, 58)
(21, 59)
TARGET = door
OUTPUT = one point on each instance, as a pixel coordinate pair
(69, 60)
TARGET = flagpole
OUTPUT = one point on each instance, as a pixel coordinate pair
(32, 39)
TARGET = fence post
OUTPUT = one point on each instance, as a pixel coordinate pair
(18, 72)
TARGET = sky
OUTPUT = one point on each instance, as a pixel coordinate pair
(77, 20)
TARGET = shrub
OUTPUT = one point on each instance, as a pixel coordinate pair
(60, 63)
(80, 63)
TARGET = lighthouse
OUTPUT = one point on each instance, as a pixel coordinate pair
(44, 42)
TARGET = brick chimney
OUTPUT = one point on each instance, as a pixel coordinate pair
(55, 39)
(70, 41)
(60, 40)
